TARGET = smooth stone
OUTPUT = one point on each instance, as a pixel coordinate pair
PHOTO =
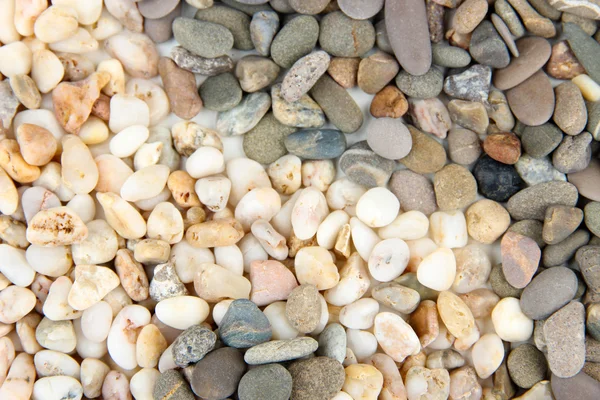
(265, 143)
(526, 366)
(218, 374)
(414, 191)
(570, 112)
(472, 84)
(586, 180)
(180, 85)
(303, 308)
(344, 70)
(588, 260)
(244, 325)
(487, 47)
(426, 156)
(245, 116)
(564, 334)
(316, 144)
(436, 14)
(296, 39)
(533, 21)
(332, 342)
(581, 386)
(192, 345)
(390, 102)
(408, 33)
(423, 383)
(303, 113)
(342, 36)
(463, 146)
(316, 378)
(495, 180)
(235, 21)
(539, 141)
(376, 71)
(172, 385)
(531, 203)
(280, 350)
(534, 52)
(549, 291)
(593, 320)
(216, 39)
(249, 7)
(161, 30)
(423, 86)
(532, 101)
(389, 138)
(505, 34)
(510, 17)
(303, 75)
(504, 147)
(256, 72)
(364, 167)
(308, 6)
(450, 56)
(546, 9)
(592, 217)
(585, 9)
(537, 170)
(271, 382)
(468, 15)
(585, 48)
(560, 223)
(473, 115)
(221, 92)
(593, 122)
(431, 116)
(560, 253)
(500, 285)
(263, 28)
(337, 104)
(358, 9)
(563, 64)
(573, 154)
(520, 259)
(201, 65)
(455, 187)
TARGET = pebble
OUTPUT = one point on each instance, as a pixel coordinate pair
(188, 137)
(390, 102)
(487, 220)
(463, 146)
(519, 329)
(592, 321)
(426, 156)
(221, 92)
(534, 52)
(539, 141)
(303, 75)
(533, 21)
(548, 292)
(172, 385)
(342, 36)
(303, 113)
(316, 144)
(573, 154)
(265, 142)
(201, 65)
(423, 86)
(160, 30)
(582, 385)
(136, 52)
(587, 259)
(280, 350)
(376, 71)
(255, 73)
(56, 335)
(520, 259)
(488, 354)
(455, 314)
(20, 378)
(344, 70)
(593, 124)
(560, 253)
(584, 47)
(245, 116)
(505, 32)
(359, 10)
(26, 91)
(255, 329)
(537, 170)
(447, 359)
(532, 101)
(582, 180)
(469, 15)
(423, 383)
(564, 334)
(531, 203)
(363, 381)
(472, 84)
(192, 345)
(364, 167)
(408, 34)
(414, 191)
(437, 270)
(237, 22)
(430, 115)
(481, 302)
(470, 115)
(487, 47)
(218, 39)
(303, 308)
(332, 342)
(570, 113)
(353, 284)
(271, 381)
(285, 174)
(455, 187)
(263, 28)
(296, 39)
(560, 222)
(218, 374)
(526, 365)
(339, 107)
(563, 64)
(180, 86)
(504, 147)
(450, 56)
(316, 378)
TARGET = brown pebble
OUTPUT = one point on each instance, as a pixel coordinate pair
(390, 102)
(504, 147)
(37, 144)
(487, 220)
(455, 187)
(563, 64)
(560, 222)
(181, 89)
(101, 108)
(426, 156)
(376, 71)
(425, 322)
(570, 113)
(532, 101)
(463, 146)
(469, 14)
(533, 54)
(481, 302)
(520, 258)
(469, 114)
(344, 71)
(435, 19)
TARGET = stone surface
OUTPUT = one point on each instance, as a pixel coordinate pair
(332, 342)
(304, 113)
(450, 56)
(316, 144)
(426, 156)
(588, 259)
(221, 92)
(549, 291)
(560, 222)
(570, 113)
(560, 253)
(526, 366)
(263, 28)
(582, 386)
(504, 147)
(592, 217)
(376, 71)
(265, 142)
(573, 154)
(256, 73)
(244, 325)
(564, 333)
(520, 259)
(495, 180)
(470, 115)
(180, 86)
(532, 101)
(269, 381)
(296, 39)
(414, 191)
(316, 378)
(362, 166)
(342, 36)
(539, 141)
(472, 84)
(430, 115)
(487, 47)
(463, 146)
(390, 102)
(389, 138)
(500, 285)
(531, 203)
(192, 345)
(303, 308)
(237, 22)
(563, 64)
(280, 350)
(537, 170)
(585, 48)
(339, 107)
(423, 86)
(455, 187)
(533, 54)
(218, 40)
(344, 70)
(303, 75)
(218, 374)
(585, 180)
(172, 385)
(245, 116)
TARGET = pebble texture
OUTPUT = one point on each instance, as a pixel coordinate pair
(564, 333)
(342, 36)
(339, 107)
(531, 203)
(221, 92)
(316, 378)
(218, 42)
(296, 39)
(585, 48)
(244, 325)
(237, 22)
(548, 291)
(316, 144)
(363, 166)
(218, 374)
(265, 142)
(268, 381)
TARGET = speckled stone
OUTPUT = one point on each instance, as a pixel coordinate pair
(221, 92)
(530, 228)
(280, 350)
(265, 142)
(526, 365)
(588, 259)
(303, 75)
(344, 70)
(426, 156)
(464, 146)
(564, 333)
(455, 187)
(472, 84)
(332, 342)
(304, 113)
(244, 325)
(585, 48)
(316, 144)
(171, 385)
(593, 123)
(500, 285)
(539, 141)
(424, 86)
(218, 374)
(216, 40)
(192, 345)
(414, 191)
(533, 53)
(495, 180)
(296, 39)
(537, 170)
(316, 378)
(435, 19)
(531, 203)
(548, 291)
(263, 28)
(487, 47)
(472, 115)
(573, 154)
(581, 387)
(520, 258)
(339, 107)
(243, 117)
(256, 72)
(359, 9)
(570, 112)
(165, 283)
(389, 103)
(563, 64)
(201, 65)
(450, 56)
(592, 217)
(430, 115)
(389, 138)
(236, 21)
(363, 166)
(560, 253)
(510, 17)
(271, 382)
(376, 71)
(303, 308)
(249, 7)
(504, 147)
(342, 36)
(505, 34)
(381, 38)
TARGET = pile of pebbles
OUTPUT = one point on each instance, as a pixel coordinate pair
(442, 244)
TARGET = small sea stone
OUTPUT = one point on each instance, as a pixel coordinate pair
(530, 228)
(471, 115)
(563, 64)
(316, 144)
(510, 17)
(426, 156)
(424, 86)
(389, 138)
(316, 378)
(435, 19)
(342, 36)
(263, 28)
(495, 180)
(344, 70)
(500, 285)
(487, 47)
(537, 170)
(414, 191)
(532, 101)
(548, 291)
(192, 345)
(390, 102)
(564, 333)
(216, 41)
(526, 366)
(303, 113)
(265, 142)
(455, 187)
(244, 325)
(531, 203)
(560, 253)
(236, 21)
(256, 72)
(280, 350)
(450, 56)
(376, 71)
(585, 48)
(303, 308)
(201, 65)
(339, 107)
(271, 382)
(464, 146)
(592, 217)
(573, 154)
(245, 116)
(221, 92)
(218, 374)
(539, 141)
(296, 39)
(332, 342)
(570, 113)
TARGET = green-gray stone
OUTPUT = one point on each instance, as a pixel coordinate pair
(339, 107)
(539, 141)
(265, 142)
(592, 217)
(204, 39)
(272, 382)
(526, 365)
(450, 56)
(221, 92)
(342, 36)
(500, 285)
(236, 21)
(585, 48)
(592, 323)
(296, 39)
(558, 254)
(421, 87)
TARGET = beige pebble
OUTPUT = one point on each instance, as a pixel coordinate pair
(47, 70)
(37, 144)
(214, 283)
(15, 303)
(127, 13)
(9, 197)
(396, 337)
(363, 381)
(135, 51)
(116, 84)
(91, 284)
(26, 91)
(181, 185)
(93, 372)
(14, 164)
(20, 379)
(314, 265)
(165, 223)
(149, 346)
(122, 216)
(56, 306)
(56, 23)
(112, 173)
(487, 220)
(81, 42)
(152, 251)
(25, 329)
(455, 314)
(55, 227)
(131, 275)
(79, 171)
(16, 58)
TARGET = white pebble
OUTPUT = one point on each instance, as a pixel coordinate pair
(354, 282)
(153, 95)
(214, 283)
(8, 31)
(330, 227)
(15, 59)
(47, 71)
(105, 27)
(79, 171)
(271, 240)
(245, 174)
(148, 154)
(231, 258)
(363, 237)
(419, 249)
(487, 355)
(84, 206)
(52, 363)
(126, 111)
(362, 343)
(410, 225)
(360, 314)
(260, 203)
(252, 251)
(145, 183)
(187, 260)
(85, 347)
(45, 119)
(285, 174)
(99, 247)
(15, 303)
(128, 140)
(509, 321)
(122, 216)
(51, 261)
(213, 192)
(93, 372)
(14, 266)
(88, 12)
(437, 270)
(9, 197)
(165, 223)
(449, 229)
(113, 172)
(280, 325)
(377, 207)
(57, 387)
(282, 221)
(205, 161)
(96, 321)
(80, 43)
(181, 312)
(388, 259)
(166, 361)
(318, 174)
(91, 284)
(314, 266)
(57, 22)
(397, 338)
(56, 306)
(142, 383)
(151, 203)
(220, 309)
(343, 194)
(116, 84)
(309, 211)
(123, 335)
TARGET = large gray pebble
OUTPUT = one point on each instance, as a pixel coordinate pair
(422, 87)
(236, 21)
(342, 36)
(243, 117)
(564, 333)
(339, 107)
(363, 166)
(558, 254)
(573, 154)
(332, 342)
(280, 350)
(265, 142)
(221, 92)
(487, 47)
(296, 39)
(548, 291)
(531, 203)
(202, 38)
(450, 56)
(271, 382)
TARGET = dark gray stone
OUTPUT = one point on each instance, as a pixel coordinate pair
(265, 142)
(192, 345)
(316, 144)
(487, 47)
(526, 366)
(558, 254)
(531, 203)
(547, 292)
(332, 342)
(221, 92)
(585, 48)
(316, 378)
(539, 141)
(218, 374)
(339, 107)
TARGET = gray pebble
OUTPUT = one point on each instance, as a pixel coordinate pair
(155, 9)
(564, 333)
(272, 382)
(539, 141)
(376, 71)
(339, 107)
(537, 170)
(450, 56)
(201, 65)
(249, 7)
(510, 17)
(256, 73)
(204, 39)
(592, 350)
(282, 6)
(389, 138)
(265, 142)
(573, 154)
(165, 283)
(244, 325)
(487, 47)
(316, 144)
(359, 9)
(588, 259)
(308, 6)
(236, 21)
(170, 385)
(547, 292)
(546, 9)
(558, 254)
(218, 374)
(245, 116)
(472, 84)
(303, 75)
(585, 48)
(500, 285)
(304, 113)
(414, 191)
(530, 228)
(316, 378)
(593, 122)
(505, 34)
(342, 36)
(560, 222)
(363, 166)
(192, 345)
(531, 203)
(592, 217)
(296, 39)
(221, 92)
(464, 146)
(580, 387)
(396, 296)
(526, 365)
(160, 30)
(592, 323)
(381, 38)
(422, 87)
(280, 350)
(303, 308)
(446, 359)
(332, 342)
(263, 27)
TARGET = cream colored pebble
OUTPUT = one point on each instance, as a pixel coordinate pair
(93, 372)
(47, 71)
(56, 23)
(80, 43)
(15, 59)
(122, 216)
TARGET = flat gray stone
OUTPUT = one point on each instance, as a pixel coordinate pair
(339, 107)
(342, 36)
(564, 333)
(204, 39)
(271, 382)
(531, 203)
(332, 342)
(424, 86)
(221, 92)
(296, 39)
(236, 21)
(558, 254)
(265, 142)
(280, 350)
(487, 47)
(548, 292)
(245, 116)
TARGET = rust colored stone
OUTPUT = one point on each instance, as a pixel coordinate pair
(390, 102)
(504, 147)
(520, 258)
(424, 320)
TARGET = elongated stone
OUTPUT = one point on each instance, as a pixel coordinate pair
(532, 101)
(533, 54)
(201, 65)
(245, 116)
(339, 107)
(316, 144)
(303, 113)
(202, 38)
(586, 49)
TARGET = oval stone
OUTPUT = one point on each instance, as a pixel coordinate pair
(533, 53)
(295, 40)
(532, 101)
(389, 138)
(548, 292)
(564, 333)
(531, 203)
(205, 39)
(317, 144)
(244, 325)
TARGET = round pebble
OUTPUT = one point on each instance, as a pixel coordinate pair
(303, 308)
(244, 325)
(218, 374)
(532, 101)
(495, 180)
(455, 187)
(423, 86)
(414, 191)
(318, 377)
(218, 39)
(426, 156)
(270, 381)
(389, 138)
(237, 22)
(548, 291)
(221, 92)
(342, 36)
(296, 39)
(265, 143)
